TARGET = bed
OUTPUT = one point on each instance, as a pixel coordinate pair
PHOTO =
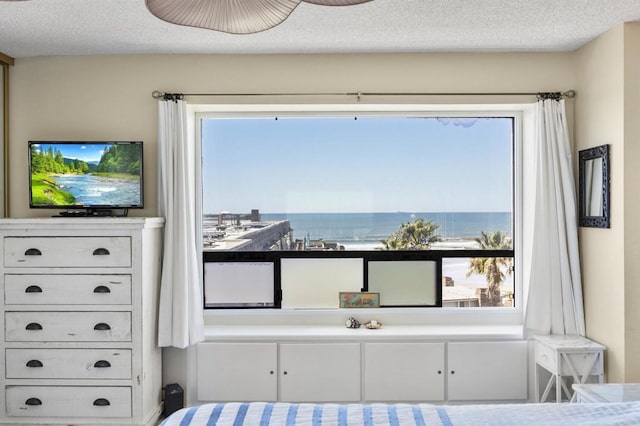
(287, 414)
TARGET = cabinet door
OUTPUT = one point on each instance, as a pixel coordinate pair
(487, 371)
(404, 372)
(320, 372)
(237, 371)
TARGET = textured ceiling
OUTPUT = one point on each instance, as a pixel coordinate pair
(84, 27)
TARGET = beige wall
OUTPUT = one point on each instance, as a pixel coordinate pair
(109, 97)
(606, 112)
(632, 200)
(599, 120)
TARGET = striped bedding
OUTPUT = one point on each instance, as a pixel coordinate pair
(288, 414)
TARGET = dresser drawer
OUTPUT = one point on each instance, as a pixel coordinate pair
(33, 289)
(68, 326)
(68, 363)
(67, 252)
(67, 401)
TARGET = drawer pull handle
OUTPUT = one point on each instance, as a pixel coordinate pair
(34, 363)
(101, 252)
(33, 252)
(33, 326)
(101, 402)
(33, 401)
(101, 326)
(33, 289)
(102, 289)
(102, 364)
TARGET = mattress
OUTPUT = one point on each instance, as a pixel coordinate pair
(289, 414)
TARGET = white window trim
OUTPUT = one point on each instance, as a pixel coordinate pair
(524, 134)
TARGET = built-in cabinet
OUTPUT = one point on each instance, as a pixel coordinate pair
(78, 317)
(487, 371)
(404, 371)
(237, 371)
(407, 371)
(320, 372)
(292, 372)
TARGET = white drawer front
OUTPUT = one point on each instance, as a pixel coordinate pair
(68, 326)
(67, 252)
(35, 289)
(68, 363)
(546, 357)
(67, 401)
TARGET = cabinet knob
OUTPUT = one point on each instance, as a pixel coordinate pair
(101, 402)
(453, 372)
(33, 401)
(439, 371)
(285, 373)
(33, 289)
(271, 372)
(102, 289)
(33, 326)
(34, 363)
(102, 364)
(101, 326)
(101, 252)
(33, 252)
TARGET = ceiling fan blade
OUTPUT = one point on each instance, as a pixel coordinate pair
(336, 2)
(229, 16)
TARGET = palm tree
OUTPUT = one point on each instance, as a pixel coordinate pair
(416, 235)
(492, 267)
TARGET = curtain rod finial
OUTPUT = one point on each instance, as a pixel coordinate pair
(569, 94)
(156, 94)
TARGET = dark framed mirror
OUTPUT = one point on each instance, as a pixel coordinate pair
(593, 191)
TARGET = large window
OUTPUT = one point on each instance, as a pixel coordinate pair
(299, 208)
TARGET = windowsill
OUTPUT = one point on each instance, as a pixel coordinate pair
(393, 332)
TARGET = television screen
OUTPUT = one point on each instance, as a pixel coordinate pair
(85, 175)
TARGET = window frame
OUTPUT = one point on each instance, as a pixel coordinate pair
(522, 116)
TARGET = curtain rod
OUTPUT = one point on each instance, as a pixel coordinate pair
(156, 94)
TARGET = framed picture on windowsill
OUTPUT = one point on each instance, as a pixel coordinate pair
(359, 300)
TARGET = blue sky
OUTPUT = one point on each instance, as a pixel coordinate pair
(317, 165)
(80, 151)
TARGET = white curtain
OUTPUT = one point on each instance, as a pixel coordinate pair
(180, 318)
(554, 304)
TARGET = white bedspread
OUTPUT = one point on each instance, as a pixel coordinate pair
(286, 414)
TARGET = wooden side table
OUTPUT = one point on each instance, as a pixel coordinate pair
(607, 392)
(567, 356)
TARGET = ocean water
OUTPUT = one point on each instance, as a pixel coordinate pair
(361, 230)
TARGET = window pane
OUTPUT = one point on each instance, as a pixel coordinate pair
(316, 283)
(238, 284)
(404, 283)
(354, 184)
(477, 282)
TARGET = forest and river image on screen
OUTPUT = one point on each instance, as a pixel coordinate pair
(85, 174)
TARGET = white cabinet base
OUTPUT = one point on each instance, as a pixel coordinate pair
(361, 371)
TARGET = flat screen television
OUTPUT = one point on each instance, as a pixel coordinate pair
(86, 177)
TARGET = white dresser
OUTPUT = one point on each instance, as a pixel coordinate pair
(79, 321)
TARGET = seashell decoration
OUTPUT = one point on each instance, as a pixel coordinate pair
(352, 323)
(373, 324)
